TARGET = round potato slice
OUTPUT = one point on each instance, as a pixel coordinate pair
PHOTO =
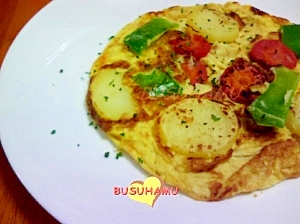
(214, 25)
(198, 128)
(110, 97)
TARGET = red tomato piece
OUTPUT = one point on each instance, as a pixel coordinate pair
(196, 72)
(199, 47)
(237, 80)
(273, 53)
(178, 44)
(195, 45)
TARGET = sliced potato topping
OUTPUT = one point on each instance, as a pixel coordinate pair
(112, 99)
(198, 128)
(214, 25)
(293, 117)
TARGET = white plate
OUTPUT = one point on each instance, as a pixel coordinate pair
(43, 84)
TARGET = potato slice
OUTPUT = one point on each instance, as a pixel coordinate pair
(214, 25)
(111, 99)
(293, 117)
(198, 128)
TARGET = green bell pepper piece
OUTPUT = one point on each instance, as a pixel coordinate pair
(291, 37)
(142, 37)
(271, 108)
(157, 83)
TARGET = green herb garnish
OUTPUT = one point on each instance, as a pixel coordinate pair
(118, 155)
(140, 160)
(215, 118)
(214, 81)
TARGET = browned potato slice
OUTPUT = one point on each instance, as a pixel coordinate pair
(200, 129)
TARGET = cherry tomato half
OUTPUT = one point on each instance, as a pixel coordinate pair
(238, 78)
(273, 53)
(194, 45)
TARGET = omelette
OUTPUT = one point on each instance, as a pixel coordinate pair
(206, 97)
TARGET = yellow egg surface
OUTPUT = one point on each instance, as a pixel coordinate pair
(169, 109)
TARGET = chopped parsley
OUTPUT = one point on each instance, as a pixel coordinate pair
(214, 82)
(249, 38)
(111, 37)
(112, 81)
(118, 155)
(105, 98)
(215, 118)
(140, 160)
(53, 132)
(106, 154)
(122, 134)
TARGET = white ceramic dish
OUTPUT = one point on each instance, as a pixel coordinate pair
(43, 84)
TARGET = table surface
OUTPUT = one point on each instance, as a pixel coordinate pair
(16, 204)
